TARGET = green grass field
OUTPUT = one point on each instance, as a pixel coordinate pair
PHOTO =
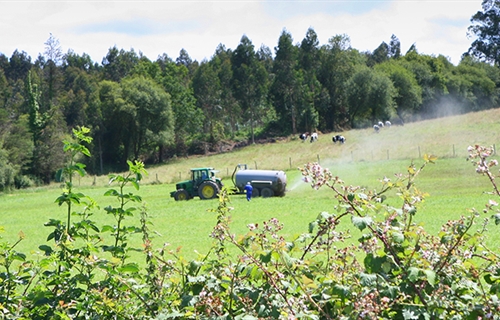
(451, 182)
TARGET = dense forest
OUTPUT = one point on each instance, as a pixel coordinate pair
(155, 110)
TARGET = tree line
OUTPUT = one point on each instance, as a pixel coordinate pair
(152, 111)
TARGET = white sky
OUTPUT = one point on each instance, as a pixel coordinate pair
(155, 27)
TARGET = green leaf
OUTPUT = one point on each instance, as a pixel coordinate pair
(413, 274)
(430, 276)
(130, 267)
(361, 222)
(111, 192)
(265, 258)
(368, 280)
(46, 249)
(398, 237)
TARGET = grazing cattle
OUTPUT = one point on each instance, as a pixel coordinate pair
(380, 124)
(314, 137)
(338, 138)
(376, 128)
(304, 136)
(388, 124)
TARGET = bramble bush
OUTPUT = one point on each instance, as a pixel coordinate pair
(395, 270)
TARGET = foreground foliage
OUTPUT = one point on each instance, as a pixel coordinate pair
(395, 271)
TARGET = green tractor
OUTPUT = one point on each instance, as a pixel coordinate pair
(203, 183)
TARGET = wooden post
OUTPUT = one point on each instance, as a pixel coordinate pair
(290, 162)
(318, 159)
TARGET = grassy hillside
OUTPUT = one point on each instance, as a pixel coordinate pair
(444, 137)
(366, 157)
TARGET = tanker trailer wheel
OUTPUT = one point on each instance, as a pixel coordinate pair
(267, 193)
(208, 190)
(255, 192)
(181, 195)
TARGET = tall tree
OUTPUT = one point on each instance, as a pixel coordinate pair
(230, 109)
(338, 63)
(207, 91)
(53, 57)
(486, 28)
(394, 47)
(119, 63)
(176, 81)
(286, 88)
(309, 63)
(249, 82)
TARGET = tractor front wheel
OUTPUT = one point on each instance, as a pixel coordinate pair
(181, 194)
(208, 190)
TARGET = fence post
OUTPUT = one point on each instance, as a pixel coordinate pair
(318, 160)
(290, 162)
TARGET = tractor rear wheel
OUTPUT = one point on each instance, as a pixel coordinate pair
(267, 193)
(208, 190)
(181, 195)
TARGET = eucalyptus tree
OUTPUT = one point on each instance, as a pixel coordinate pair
(394, 47)
(230, 108)
(309, 63)
(117, 64)
(207, 91)
(19, 66)
(176, 81)
(53, 55)
(485, 27)
(185, 60)
(338, 63)
(249, 82)
(286, 88)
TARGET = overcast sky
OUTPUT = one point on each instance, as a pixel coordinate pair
(199, 26)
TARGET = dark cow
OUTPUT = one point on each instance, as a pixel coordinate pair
(303, 136)
(376, 128)
(338, 138)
